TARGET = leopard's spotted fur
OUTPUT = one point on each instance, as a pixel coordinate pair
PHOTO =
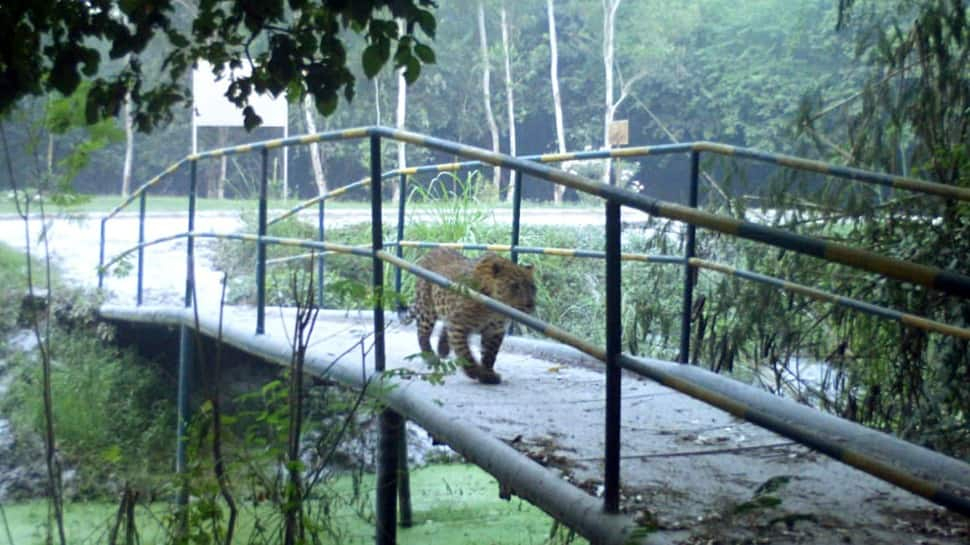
(490, 274)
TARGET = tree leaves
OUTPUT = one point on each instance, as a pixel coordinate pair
(424, 53)
(374, 57)
(296, 47)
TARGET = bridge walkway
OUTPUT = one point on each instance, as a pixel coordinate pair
(692, 471)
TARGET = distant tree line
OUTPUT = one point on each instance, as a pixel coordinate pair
(531, 77)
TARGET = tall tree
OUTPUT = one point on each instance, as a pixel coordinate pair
(559, 190)
(487, 93)
(129, 124)
(611, 74)
(309, 114)
(509, 86)
(610, 8)
(400, 116)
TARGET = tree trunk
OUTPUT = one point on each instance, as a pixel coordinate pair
(402, 105)
(508, 85)
(218, 190)
(223, 176)
(377, 99)
(129, 148)
(311, 127)
(50, 153)
(558, 190)
(487, 92)
(609, 19)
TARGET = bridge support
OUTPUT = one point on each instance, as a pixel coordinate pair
(404, 478)
(186, 355)
(389, 464)
(614, 332)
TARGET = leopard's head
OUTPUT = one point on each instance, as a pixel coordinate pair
(507, 282)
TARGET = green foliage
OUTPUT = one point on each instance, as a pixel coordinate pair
(13, 273)
(465, 512)
(295, 47)
(64, 116)
(909, 118)
(459, 211)
(113, 411)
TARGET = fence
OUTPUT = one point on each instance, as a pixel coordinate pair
(935, 477)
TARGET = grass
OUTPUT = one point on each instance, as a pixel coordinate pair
(453, 504)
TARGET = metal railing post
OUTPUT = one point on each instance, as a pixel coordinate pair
(390, 421)
(190, 241)
(516, 212)
(320, 258)
(402, 202)
(181, 431)
(141, 247)
(689, 270)
(261, 249)
(404, 479)
(611, 478)
(101, 256)
(377, 243)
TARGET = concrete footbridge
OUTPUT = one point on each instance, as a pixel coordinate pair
(620, 448)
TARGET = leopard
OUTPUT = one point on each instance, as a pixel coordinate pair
(489, 274)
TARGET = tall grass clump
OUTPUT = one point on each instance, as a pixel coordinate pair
(114, 416)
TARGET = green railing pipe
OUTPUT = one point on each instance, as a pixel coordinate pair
(907, 319)
(809, 165)
(144, 187)
(320, 198)
(946, 281)
(904, 318)
(941, 479)
(797, 163)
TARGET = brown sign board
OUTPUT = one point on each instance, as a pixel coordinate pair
(620, 132)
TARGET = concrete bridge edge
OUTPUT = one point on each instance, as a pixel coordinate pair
(513, 470)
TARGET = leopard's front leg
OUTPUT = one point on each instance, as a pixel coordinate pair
(458, 339)
(492, 336)
(424, 314)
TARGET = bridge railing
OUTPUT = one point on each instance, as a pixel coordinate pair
(908, 469)
(694, 148)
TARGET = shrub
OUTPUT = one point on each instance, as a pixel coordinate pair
(113, 416)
